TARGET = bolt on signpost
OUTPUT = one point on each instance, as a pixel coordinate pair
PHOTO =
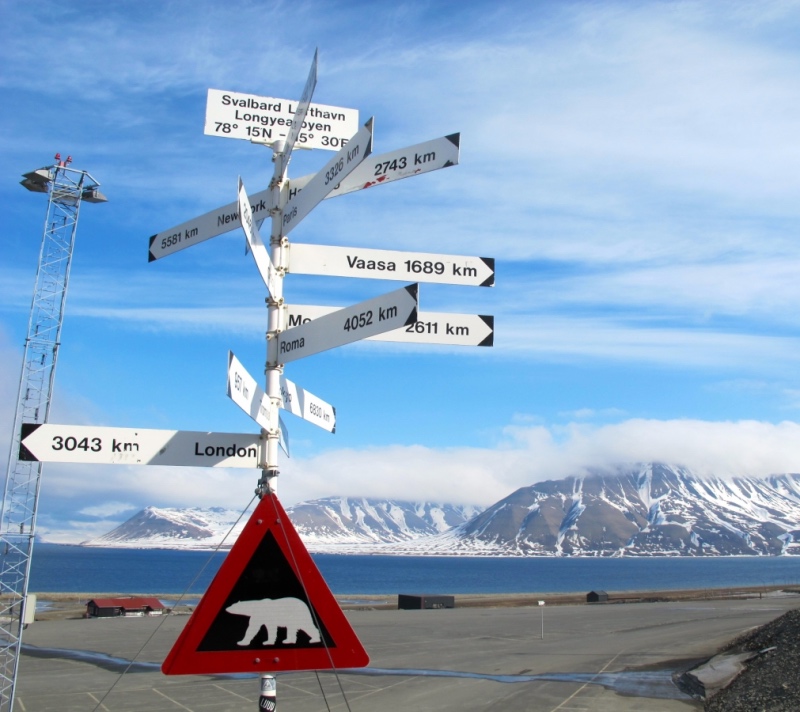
(205, 645)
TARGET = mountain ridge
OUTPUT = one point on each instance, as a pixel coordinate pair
(650, 509)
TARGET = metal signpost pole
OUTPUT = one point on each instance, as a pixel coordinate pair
(269, 478)
(541, 605)
(267, 701)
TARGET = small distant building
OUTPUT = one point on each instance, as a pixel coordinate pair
(129, 606)
(416, 602)
(597, 597)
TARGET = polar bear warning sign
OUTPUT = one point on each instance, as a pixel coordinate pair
(268, 609)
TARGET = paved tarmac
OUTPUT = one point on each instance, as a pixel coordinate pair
(488, 659)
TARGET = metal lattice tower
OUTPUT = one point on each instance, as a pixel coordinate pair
(67, 188)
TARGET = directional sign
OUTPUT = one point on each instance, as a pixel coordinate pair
(375, 170)
(249, 396)
(336, 170)
(307, 406)
(48, 442)
(283, 437)
(343, 326)
(403, 163)
(390, 264)
(300, 115)
(268, 609)
(260, 254)
(213, 223)
(429, 328)
(264, 119)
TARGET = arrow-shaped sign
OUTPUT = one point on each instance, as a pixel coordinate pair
(307, 406)
(344, 326)
(403, 163)
(429, 327)
(375, 170)
(48, 442)
(390, 264)
(260, 254)
(283, 437)
(299, 116)
(336, 170)
(249, 396)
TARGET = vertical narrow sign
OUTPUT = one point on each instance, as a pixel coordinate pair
(263, 261)
(299, 115)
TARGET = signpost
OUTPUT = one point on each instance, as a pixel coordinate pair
(343, 326)
(375, 170)
(48, 442)
(236, 626)
(368, 263)
(429, 327)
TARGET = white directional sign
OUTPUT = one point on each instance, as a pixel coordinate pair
(260, 253)
(297, 124)
(375, 170)
(390, 264)
(249, 396)
(307, 406)
(265, 119)
(429, 328)
(343, 326)
(49, 442)
(403, 163)
(336, 170)
(283, 437)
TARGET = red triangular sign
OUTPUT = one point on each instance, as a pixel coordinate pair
(268, 609)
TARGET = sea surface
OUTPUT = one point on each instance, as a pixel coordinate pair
(76, 569)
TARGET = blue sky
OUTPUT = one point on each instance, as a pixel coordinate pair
(631, 166)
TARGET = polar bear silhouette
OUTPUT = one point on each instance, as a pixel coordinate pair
(274, 613)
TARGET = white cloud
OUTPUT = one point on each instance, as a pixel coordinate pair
(108, 509)
(620, 339)
(531, 454)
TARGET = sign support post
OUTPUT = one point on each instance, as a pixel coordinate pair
(269, 474)
(237, 603)
(267, 702)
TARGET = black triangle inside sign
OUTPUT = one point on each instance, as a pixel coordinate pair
(268, 609)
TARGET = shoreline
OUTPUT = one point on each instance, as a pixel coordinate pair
(73, 605)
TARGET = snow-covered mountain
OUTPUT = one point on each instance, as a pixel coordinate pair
(648, 510)
(167, 528)
(336, 522)
(645, 510)
(331, 524)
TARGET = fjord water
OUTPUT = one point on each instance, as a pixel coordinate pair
(76, 569)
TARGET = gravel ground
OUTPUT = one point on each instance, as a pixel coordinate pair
(770, 682)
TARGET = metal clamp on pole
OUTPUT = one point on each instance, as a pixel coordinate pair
(268, 484)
